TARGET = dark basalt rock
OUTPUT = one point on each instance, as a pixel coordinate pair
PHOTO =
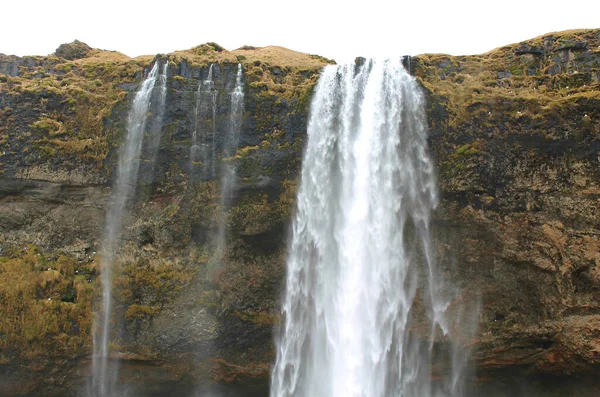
(529, 49)
(572, 45)
(516, 231)
(74, 50)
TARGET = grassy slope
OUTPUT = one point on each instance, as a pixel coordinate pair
(512, 80)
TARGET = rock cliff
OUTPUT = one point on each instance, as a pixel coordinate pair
(515, 136)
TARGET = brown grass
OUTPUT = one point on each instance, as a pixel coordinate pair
(282, 57)
(45, 308)
(474, 82)
(203, 55)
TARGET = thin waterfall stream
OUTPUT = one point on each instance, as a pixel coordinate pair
(203, 149)
(155, 124)
(360, 243)
(228, 169)
(104, 372)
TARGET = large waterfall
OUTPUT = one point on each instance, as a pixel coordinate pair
(103, 374)
(361, 247)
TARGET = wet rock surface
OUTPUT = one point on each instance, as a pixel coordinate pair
(515, 137)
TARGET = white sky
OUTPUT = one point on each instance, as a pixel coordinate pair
(335, 29)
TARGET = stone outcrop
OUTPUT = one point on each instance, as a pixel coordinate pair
(515, 136)
(74, 50)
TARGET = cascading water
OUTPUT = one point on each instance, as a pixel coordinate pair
(233, 137)
(235, 116)
(203, 138)
(103, 377)
(213, 124)
(228, 177)
(155, 123)
(361, 229)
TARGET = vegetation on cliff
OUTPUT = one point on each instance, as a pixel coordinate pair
(62, 118)
(46, 305)
(524, 84)
(57, 108)
(515, 133)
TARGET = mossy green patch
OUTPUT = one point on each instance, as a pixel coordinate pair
(45, 305)
(72, 100)
(515, 80)
(146, 282)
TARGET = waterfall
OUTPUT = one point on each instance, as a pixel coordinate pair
(228, 171)
(233, 137)
(155, 123)
(235, 115)
(360, 241)
(203, 138)
(103, 375)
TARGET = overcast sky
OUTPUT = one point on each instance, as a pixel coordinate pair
(336, 29)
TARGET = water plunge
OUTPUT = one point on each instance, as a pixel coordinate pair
(104, 373)
(360, 241)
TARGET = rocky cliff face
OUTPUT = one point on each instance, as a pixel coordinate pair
(516, 138)
(202, 317)
(514, 133)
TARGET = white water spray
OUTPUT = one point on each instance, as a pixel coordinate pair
(228, 170)
(154, 133)
(203, 138)
(360, 236)
(235, 115)
(103, 374)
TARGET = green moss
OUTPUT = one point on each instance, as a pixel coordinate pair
(45, 309)
(47, 152)
(466, 150)
(257, 214)
(65, 67)
(244, 152)
(474, 79)
(145, 283)
(141, 312)
(47, 127)
(258, 318)
(209, 300)
(87, 90)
